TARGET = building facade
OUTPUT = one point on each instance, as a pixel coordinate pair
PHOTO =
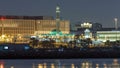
(108, 35)
(46, 26)
(23, 26)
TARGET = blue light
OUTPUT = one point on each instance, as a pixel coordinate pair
(6, 47)
(26, 47)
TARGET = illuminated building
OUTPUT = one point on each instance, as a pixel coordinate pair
(87, 32)
(108, 35)
(19, 27)
(46, 26)
(86, 25)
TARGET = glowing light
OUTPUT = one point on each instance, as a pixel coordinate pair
(73, 66)
(52, 66)
(3, 36)
(40, 66)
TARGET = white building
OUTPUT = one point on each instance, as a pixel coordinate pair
(108, 35)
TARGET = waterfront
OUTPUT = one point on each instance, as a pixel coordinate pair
(62, 63)
(24, 51)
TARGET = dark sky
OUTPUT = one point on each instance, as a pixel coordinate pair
(101, 11)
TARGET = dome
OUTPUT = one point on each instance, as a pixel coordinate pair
(55, 32)
(87, 30)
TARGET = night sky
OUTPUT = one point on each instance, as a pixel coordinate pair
(100, 11)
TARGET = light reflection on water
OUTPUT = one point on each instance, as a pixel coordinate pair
(63, 63)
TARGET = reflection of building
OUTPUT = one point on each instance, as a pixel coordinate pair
(86, 64)
(52, 65)
(1, 64)
(72, 65)
(115, 64)
(40, 65)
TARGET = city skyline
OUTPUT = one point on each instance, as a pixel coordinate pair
(101, 11)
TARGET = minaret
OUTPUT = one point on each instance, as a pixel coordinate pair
(57, 18)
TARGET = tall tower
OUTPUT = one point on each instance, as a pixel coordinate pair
(57, 18)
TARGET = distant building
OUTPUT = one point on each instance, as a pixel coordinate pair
(46, 26)
(108, 35)
(94, 27)
(23, 26)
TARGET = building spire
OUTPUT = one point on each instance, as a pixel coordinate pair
(57, 12)
(57, 18)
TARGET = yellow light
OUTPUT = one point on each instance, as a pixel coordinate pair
(3, 36)
(52, 66)
(73, 66)
(40, 66)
